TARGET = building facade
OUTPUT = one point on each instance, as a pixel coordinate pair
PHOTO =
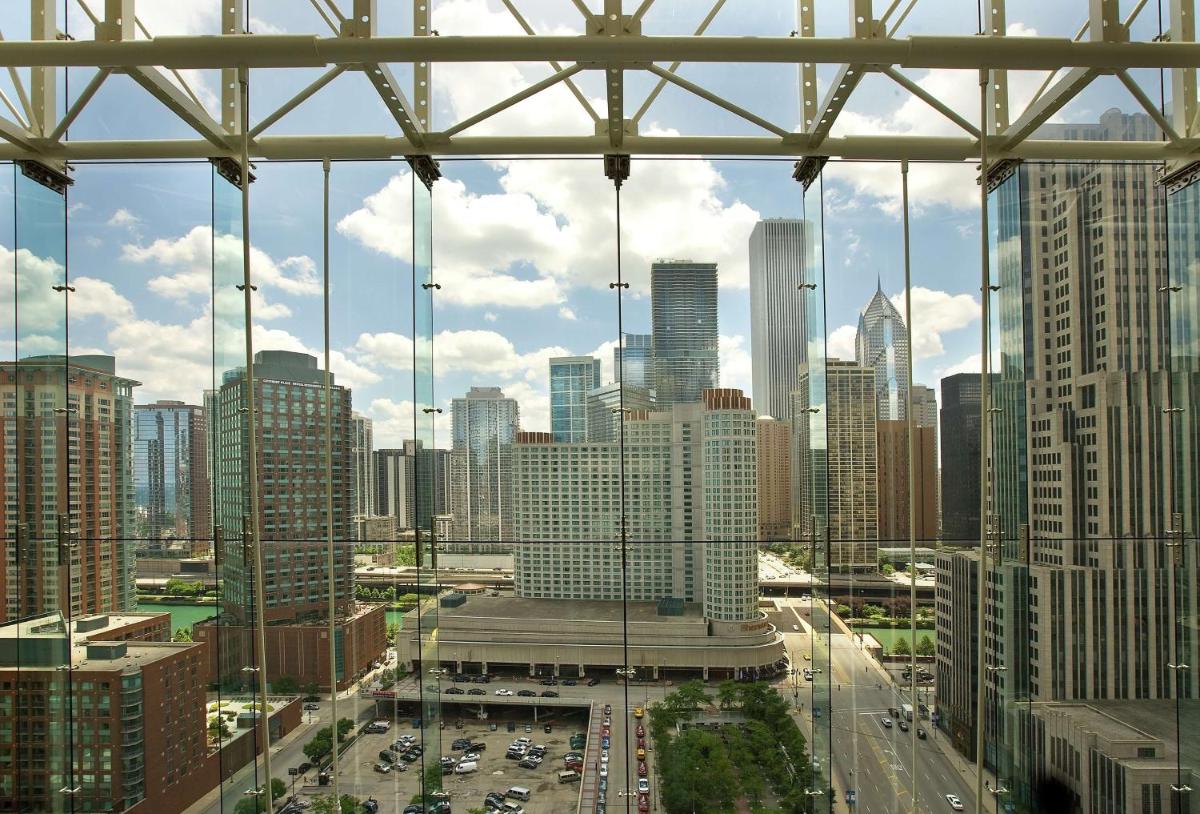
(364, 470)
(897, 473)
(778, 318)
(835, 468)
(690, 509)
(683, 307)
(485, 427)
(571, 379)
(412, 484)
(67, 470)
(961, 437)
(633, 361)
(170, 473)
(774, 472)
(604, 405)
(881, 343)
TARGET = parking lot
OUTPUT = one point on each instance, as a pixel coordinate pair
(494, 773)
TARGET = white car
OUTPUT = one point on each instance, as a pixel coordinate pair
(604, 756)
(643, 785)
(887, 724)
(954, 802)
(504, 692)
(604, 770)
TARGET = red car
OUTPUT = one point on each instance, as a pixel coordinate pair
(643, 802)
(641, 731)
(641, 768)
(604, 732)
(641, 743)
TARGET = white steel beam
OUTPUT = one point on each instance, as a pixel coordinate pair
(43, 86)
(1039, 112)
(520, 96)
(864, 27)
(613, 25)
(232, 25)
(806, 15)
(360, 29)
(304, 50)
(662, 83)
(929, 99)
(874, 148)
(578, 94)
(1183, 80)
(18, 136)
(995, 24)
(422, 72)
(709, 96)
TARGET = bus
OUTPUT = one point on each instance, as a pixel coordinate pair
(907, 710)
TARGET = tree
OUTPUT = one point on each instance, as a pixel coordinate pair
(345, 725)
(258, 803)
(727, 694)
(888, 569)
(393, 630)
(182, 634)
(218, 728)
(925, 647)
(901, 647)
(325, 804)
(843, 610)
(319, 746)
(690, 696)
(311, 691)
(285, 685)
(873, 611)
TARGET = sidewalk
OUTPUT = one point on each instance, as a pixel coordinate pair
(243, 774)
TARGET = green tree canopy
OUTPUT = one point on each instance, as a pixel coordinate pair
(925, 647)
(285, 685)
(901, 647)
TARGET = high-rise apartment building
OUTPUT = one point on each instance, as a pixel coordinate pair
(960, 424)
(290, 398)
(897, 473)
(364, 471)
(136, 712)
(834, 472)
(778, 320)
(774, 471)
(67, 478)
(683, 307)
(605, 403)
(633, 361)
(484, 429)
(412, 484)
(881, 343)
(691, 513)
(571, 379)
(170, 473)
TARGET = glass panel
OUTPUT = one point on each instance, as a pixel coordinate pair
(54, 574)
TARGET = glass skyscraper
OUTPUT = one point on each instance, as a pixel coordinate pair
(881, 343)
(485, 427)
(633, 360)
(683, 305)
(170, 472)
(778, 328)
(571, 377)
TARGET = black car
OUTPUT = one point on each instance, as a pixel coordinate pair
(460, 743)
(481, 679)
(477, 747)
(549, 694)
(511, 755)
(303, 767)
(570, 682)
(592, 682)
(387, 757)
(493, 800)
(311, 706)
(370, 806)
(527, 693)
(456, 691)
(549, 682)
(476, 691)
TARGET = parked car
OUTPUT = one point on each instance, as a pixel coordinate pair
(529, 763)
(643, 785)
(549, 682)
(310, 706)
(460, 743)
(903, 724)
(383, 768)
(887, 722)
(527, 693)
(608, 709)
(921, 734)
(456, 691)
(640, 731)
(642, 768)
(569, 682)
(592, 682)
(476, 691)
(549, 694)
(505, 692)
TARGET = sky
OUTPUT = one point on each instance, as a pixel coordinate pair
(524, 250)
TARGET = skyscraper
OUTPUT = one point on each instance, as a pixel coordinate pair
(881, 343)
(837, 469)
(960, 420)
(571, 377)
(689, 484)
(291, 435)
(774, 467)
(604, 405)
(411, 484)
(633, 361)
(778, 321)
(68, 470)
(364, 472)
(683, 306)
(485, 427)
(897, 472)
(170, 473)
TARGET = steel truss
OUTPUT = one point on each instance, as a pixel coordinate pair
(613, 45)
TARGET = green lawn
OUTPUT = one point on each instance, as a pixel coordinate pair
(887, 636)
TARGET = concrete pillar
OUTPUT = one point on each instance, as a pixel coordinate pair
(483, 667)
(556, 669)
(532, 669)
(581, 673)
(458, 666)
(705, 674)
(656, 672)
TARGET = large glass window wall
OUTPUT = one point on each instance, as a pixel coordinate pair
(878, 494)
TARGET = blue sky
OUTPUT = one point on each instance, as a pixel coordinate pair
(524, 250)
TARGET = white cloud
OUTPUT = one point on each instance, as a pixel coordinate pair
(187, 262)
(393, 423)
(968, 365)
(933, 314)
(41, 308)
(473, 351)
(735, 363)
(490, 317)
(566, 313)
(123, 218)
(840, 343)
(605, 354)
